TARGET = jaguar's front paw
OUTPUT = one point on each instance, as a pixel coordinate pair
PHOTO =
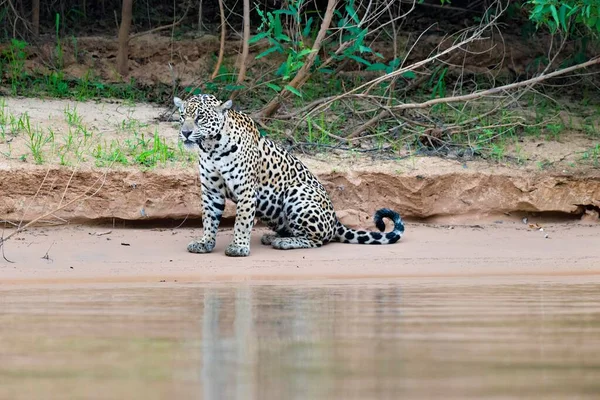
(235, 250)
(201, 246)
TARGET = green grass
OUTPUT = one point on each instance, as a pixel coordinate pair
(56, 84)
(137, 145)
(491, 136)
(592, 155)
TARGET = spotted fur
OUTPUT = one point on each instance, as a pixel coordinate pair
(264, 181)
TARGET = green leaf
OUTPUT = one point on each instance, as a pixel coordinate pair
(377, 67)
(358, 59)
(267, 52)
(364, 49)
(273, 86)
(283, 37)
(395, 63)
(258, 10)
(306, 30)
(409, 75)
(352, 13)
(562, 16)
(305, 52)
(256, 38)
(572, 11)
(282, 69)
(276, 24)
(293, 90)
(285, 12)
(554, 14)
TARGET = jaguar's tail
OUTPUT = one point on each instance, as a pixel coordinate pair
(349, 235)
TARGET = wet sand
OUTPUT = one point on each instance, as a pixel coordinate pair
(79, 254)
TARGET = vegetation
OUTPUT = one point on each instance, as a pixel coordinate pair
(338, 74)
(132, 142)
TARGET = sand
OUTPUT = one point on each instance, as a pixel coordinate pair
(78, 254)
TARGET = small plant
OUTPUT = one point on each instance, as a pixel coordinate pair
(4, 118)
(318, 130)
(58, 50)
(132, 125)
(16, 56)
(36, 140)
(563, 15)
(72, 117)
(75, 121)
(498, 151)
(554, 131)
(593, 155)
(159, 152)
(109, 154)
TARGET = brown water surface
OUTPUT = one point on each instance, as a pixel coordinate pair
(410, 338)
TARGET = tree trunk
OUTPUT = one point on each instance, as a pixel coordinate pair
(200, 24)
(123, 55)
(246, 45)
(35, 17)
(222, 45)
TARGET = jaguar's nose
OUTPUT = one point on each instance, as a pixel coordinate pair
(186, 134)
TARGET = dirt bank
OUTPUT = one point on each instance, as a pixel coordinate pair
(85, 133)
(436, 189)
(193, 58)
(79, 254)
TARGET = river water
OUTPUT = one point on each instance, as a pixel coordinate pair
(413, 338)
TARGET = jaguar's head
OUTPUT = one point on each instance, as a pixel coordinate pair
(201, 117)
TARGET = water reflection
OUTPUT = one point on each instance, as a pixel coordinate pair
(398, 339)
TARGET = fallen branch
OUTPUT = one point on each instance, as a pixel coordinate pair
(384, 113)
(488, 92)
(399, 72)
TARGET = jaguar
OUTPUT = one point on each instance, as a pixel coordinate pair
(265, 181)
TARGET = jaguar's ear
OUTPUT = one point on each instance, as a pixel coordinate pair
(179, 103)
(225, 106)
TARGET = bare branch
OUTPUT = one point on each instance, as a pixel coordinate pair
(222, 44)
(496, 90)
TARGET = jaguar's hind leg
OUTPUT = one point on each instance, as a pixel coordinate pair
(268, 238)
(289, 243)
(279, 231)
